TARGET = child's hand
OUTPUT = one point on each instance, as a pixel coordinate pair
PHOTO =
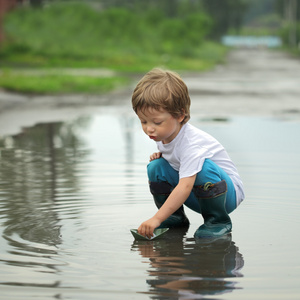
(147, 227)
(155, 155)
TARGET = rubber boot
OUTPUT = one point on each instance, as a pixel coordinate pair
(212, 198)
(160, 192)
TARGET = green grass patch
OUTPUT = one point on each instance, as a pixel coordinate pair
(54, 84)
(206, 56)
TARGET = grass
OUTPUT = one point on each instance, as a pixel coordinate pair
(206, 55)
(115, 39)
(62, 84)
(11, 79)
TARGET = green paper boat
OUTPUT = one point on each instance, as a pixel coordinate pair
(158, 232)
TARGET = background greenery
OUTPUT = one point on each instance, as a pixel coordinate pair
(78, 35)
(125, 36)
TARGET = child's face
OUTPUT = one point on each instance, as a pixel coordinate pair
(160, 125)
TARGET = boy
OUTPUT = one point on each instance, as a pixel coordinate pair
(191, 167)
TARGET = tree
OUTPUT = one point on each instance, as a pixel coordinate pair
(290, 13)
(290, 10)
(226, 14)
(5, 6)
(36, 3)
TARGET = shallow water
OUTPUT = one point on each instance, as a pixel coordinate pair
(71, 191)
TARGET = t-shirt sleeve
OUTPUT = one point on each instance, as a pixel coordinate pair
(192, 159)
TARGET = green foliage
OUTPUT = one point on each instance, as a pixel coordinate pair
(78, 36)
(201, 25)
(79, 32)
(58, 83)
(285, 34)
(226, 14)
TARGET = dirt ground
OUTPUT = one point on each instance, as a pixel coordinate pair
(252, 82)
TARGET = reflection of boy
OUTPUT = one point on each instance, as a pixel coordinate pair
(191, 167)
(193, 269)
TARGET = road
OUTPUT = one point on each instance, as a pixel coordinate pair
(252, 82)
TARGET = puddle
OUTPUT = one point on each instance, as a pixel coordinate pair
(71, 191)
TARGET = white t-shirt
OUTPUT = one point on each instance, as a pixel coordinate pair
(188, 150)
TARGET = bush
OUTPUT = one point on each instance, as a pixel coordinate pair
(285, 34)
(80, 32)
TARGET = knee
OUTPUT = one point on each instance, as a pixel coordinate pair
(211, 168)
(210, 172)
(154, 169)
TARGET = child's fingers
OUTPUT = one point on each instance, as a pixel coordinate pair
(143, 231)
(155, 155)
(146, 230)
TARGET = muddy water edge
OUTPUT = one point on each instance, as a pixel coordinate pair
(73, 183)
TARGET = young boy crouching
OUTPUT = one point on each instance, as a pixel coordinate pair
(191, 167)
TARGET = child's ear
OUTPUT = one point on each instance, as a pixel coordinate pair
(182, 116)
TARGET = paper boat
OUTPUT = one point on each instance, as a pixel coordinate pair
(158, 232)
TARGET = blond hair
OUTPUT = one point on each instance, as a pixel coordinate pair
(161, 89)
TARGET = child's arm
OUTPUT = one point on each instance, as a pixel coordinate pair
(174, 201)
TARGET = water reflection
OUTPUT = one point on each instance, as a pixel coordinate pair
(70, 192)
(187, 269)
(38, 168)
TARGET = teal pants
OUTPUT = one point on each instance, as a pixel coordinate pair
(159, 170)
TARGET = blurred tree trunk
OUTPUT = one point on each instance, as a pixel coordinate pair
(36, 3)
(227, 14)
(5, 6)
(291, 17)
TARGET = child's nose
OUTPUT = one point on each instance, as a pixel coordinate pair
(150, 129)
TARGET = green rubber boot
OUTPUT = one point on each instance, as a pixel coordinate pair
(160, 192)
(212, 199)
